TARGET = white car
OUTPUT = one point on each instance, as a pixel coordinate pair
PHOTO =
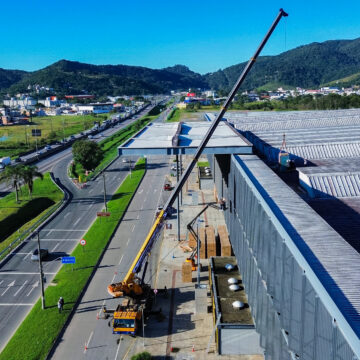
(124, 160)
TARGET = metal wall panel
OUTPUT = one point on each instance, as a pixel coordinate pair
(288, 313)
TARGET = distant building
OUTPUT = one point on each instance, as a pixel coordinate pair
(79, 96)
(24, 102)
(97, 108)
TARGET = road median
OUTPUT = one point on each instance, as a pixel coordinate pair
(37, 335)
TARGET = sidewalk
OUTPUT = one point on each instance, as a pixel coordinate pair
(178, 332)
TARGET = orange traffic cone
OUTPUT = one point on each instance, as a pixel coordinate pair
(85, 347)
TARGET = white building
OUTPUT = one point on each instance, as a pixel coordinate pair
(97, 108)
(23, 102)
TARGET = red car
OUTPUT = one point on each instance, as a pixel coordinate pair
(167, 187)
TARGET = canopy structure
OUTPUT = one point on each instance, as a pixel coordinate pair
(183, 138)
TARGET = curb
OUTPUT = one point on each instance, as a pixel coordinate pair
(95, 268)
(67, 197)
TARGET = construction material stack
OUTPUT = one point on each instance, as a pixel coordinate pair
(224, 241)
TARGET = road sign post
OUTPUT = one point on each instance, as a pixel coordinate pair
(68, 260)
(83, 243)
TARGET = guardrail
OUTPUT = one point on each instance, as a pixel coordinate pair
(40, 223)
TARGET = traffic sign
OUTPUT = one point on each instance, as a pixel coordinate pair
(103, 214)
(68, 260)
(155, 291)
(82, 242)
(36, 132)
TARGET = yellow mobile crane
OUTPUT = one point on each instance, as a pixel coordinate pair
(137, 295)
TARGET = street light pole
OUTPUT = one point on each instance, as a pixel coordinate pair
(41, 273)
(198, 253)
(103, 173)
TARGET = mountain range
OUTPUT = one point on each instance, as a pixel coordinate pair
(309, 66)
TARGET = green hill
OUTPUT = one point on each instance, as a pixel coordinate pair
(309, 66)
(72, 77)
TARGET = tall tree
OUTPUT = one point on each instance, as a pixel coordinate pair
(13, 175)
(87, 153)
(28, 173)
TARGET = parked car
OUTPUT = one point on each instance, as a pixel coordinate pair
(48, 147)
(18, 160)
(167, 187)
(124, 160)
(43, 254)
(90, 137)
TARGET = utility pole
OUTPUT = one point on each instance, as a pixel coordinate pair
(198, 252)
(63, 130)
(41, 273)
(178, 197)
(103, 173)
(36, 139)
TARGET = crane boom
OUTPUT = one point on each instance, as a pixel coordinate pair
(127, 285)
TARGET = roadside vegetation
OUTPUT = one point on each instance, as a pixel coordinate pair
(38, 332)
(17, 139)
(109, 146)
(16, 216)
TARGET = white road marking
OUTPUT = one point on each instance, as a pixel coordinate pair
(1, 282)
(140, 191)
(67, 230)
(138, 216)
(133, 228)
(24, 273)
(118, 348)
(20, 288)
(19, 253)
(77, 221)
(53, 249)
(49, 232)
(8, 287)
(113, 278)
(91, 190)
(127, 243)
(32, 288)
(66, 215)
(88, 342)
(27, 255)
(119, 260)
(17, 304)
(58, 240)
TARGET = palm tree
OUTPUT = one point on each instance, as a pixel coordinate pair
(28, 174)
(13, 175)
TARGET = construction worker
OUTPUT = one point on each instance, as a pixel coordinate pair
(60, 304)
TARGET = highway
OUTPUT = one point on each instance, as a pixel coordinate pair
(19, 279)
(117, 259)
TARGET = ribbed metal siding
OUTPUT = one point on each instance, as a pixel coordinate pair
(280, 296)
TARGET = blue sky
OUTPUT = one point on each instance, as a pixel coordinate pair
(203, 35)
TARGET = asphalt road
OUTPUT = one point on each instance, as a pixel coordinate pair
(117, 259)
(19, 279)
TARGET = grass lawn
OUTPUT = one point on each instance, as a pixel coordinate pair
(203, 164)
(18, 136)
(15, 218)
(37, 333)
(175, 115)
(110, 145)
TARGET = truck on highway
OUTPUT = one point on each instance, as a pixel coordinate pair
(4, 162)
(135, 294)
